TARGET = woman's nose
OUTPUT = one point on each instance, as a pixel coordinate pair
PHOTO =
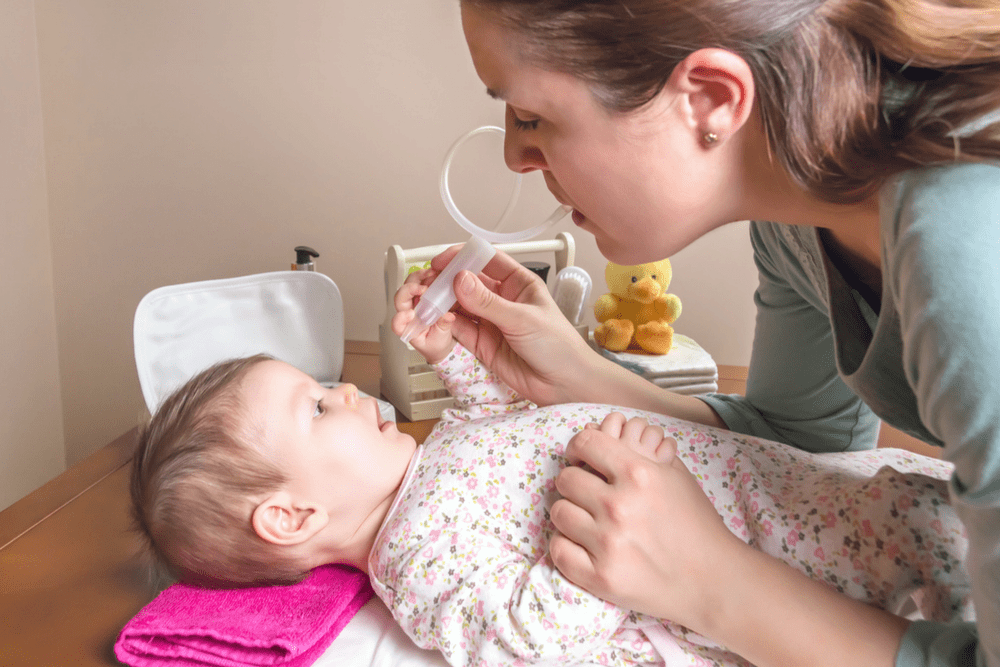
(519, 152)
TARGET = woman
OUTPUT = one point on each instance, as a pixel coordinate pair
(860, 130)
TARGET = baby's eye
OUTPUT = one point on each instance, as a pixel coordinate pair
(319, 409)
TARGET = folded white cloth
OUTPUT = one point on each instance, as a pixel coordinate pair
(690, 388)
(686, 361)
(675, 383)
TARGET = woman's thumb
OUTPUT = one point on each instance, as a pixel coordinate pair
(477, 300)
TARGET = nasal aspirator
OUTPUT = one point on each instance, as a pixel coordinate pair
(440, 296)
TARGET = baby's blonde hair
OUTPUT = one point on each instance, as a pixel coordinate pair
(197, 478)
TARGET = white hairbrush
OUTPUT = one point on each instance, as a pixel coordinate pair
(571, 291)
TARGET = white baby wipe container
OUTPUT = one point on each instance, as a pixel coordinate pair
(294, 316)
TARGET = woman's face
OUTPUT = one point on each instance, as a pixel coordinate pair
(639, 182)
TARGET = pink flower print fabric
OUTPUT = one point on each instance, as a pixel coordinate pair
(462, 559)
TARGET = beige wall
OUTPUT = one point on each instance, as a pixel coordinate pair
(195, 139)
(31, 422)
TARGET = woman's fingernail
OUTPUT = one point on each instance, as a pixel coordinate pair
(465, 282)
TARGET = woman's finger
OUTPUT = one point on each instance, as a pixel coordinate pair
(602, 452)
(573, 521)
(571, 559)
(581, 487)
(504, 275)
(439, 261)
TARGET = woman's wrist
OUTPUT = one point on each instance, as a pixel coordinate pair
(773, 615)
(600, 380)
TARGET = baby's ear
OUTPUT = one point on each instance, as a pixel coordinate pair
(284, 520)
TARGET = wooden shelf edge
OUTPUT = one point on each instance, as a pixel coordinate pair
(28, 512)
(361, 347)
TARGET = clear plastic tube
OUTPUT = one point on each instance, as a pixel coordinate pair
(440, 296)
(473, 228)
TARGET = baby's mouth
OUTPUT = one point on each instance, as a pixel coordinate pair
(383, 424)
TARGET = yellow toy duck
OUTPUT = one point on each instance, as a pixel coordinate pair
(637, 313)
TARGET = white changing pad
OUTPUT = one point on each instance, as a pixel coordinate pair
(295, 316)
(373, 639)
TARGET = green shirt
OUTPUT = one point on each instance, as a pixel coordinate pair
(825, 366)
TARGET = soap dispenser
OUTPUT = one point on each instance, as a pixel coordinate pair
(303, 258)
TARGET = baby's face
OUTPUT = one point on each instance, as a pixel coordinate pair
(333, 444)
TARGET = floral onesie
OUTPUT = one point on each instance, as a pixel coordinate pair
(462, 558)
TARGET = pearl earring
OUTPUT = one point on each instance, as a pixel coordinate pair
(710, 138)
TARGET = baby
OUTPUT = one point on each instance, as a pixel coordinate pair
(253, 472)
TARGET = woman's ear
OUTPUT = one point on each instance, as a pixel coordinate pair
(284, 520)
(717, 93)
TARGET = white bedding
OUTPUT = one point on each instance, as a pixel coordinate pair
(374, 639)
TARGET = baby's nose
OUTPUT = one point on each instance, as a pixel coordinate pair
(349, 393)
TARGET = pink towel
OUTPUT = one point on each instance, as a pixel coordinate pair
(286, 626)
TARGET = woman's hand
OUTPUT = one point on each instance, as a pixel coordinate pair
(509, 320)
(434, 342)
(640, 532)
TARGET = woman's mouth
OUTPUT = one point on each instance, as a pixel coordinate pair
(578, 218)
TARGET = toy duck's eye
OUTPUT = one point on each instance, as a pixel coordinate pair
(654, 276)
(635, 279)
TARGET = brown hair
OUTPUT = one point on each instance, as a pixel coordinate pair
(849, 91)
(196, 479)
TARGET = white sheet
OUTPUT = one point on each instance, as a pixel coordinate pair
(373, 639)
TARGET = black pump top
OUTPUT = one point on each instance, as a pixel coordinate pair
(304, 254)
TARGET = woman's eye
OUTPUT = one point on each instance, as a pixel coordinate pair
(525, 124)
(319, 410)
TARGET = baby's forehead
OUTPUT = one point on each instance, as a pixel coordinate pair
(274, 380)
(273, 394)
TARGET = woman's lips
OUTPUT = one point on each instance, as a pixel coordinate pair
(578, 218)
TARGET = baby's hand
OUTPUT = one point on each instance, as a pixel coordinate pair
(435, 342)
(637, 433)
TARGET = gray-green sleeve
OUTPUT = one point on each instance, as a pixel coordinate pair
(794, 393)
(927, 644)
(943, 265)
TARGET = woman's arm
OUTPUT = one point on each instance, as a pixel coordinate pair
(628, 537)
(511, 323)
(794, 393)
(942, 267)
